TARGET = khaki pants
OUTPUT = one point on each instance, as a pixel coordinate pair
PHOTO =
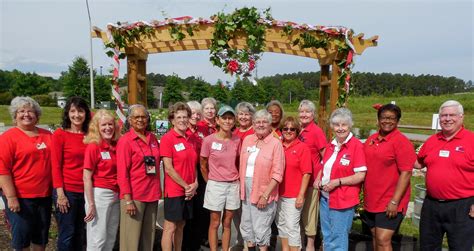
(138, 232)
(309, 218)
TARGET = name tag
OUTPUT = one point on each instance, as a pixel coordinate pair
(444, 153)
(345, 162)
(105, 155)
(200, 135)
(179, 147)
(251, 149)
(216, 146)
(40, 146)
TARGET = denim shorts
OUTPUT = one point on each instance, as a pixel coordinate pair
(31, 223)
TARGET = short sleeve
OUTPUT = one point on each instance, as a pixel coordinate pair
(405, 155)
(205, 149)
(166, 146)
(91, 157)
(6, 155)
(360, 164)
(306, 165)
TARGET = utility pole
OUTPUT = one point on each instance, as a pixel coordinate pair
(91, 68)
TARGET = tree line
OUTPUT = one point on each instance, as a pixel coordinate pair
(287, 88)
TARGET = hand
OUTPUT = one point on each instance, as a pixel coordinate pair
(391, 211)
(262, 203)
(331, 185)
(190, 190)
(62, 203)
(131, 209)
(299, 201)
(471, 212)
(13, 204)
(91, 212)
(317, 184)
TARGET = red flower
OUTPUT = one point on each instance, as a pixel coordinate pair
(232, 66)
(251, 64)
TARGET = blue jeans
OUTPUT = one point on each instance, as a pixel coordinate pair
(31, 223)
(335, 226)
(71, 225)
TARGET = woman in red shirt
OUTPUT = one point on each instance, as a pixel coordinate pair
(25, 176)
(100, 182)
(244, 111)
(68, 159)
(207, 126)
(390, 158)
(178, 151)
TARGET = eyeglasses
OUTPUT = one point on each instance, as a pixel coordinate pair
(286, 129)
(140, 117)
(388, 118)
(446, 116)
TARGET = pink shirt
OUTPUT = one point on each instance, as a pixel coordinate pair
(131, 174)
(222, 157)
(449, 165)
(269, 164)
(386, 159)
(313, 136)
(102, 161)
(182, 151)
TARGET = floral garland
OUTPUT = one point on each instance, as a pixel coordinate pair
(250, 23)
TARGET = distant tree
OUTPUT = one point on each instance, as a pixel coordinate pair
(292, 90)
(220, 92)
(173, 91)
(199, 89)
(29, 84)
(102, 88)
(76, 80)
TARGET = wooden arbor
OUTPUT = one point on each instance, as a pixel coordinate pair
(276, 40)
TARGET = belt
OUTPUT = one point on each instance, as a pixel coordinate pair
(445, 200)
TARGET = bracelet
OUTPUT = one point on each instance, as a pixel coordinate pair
(340, 183)
(129, 202)
(265, 197)
(393, 202)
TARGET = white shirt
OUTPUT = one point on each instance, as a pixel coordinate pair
(251, 161)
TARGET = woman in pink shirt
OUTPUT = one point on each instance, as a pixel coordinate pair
(262, 164)
(219, 155)
(100, 182)
(138, 177)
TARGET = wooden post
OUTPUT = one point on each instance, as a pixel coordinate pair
(136, 73)
(324, 82)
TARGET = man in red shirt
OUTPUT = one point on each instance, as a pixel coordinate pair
(449, 205)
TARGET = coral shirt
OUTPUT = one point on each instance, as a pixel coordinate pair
(386, 159)
(67, 160)
(449, 165)
(102, 161)
(269, 164)
(222, 156)
(313, 136)
(182, 151)
(242, 135)
(298, 163)
(205, 128)
(28, 161)
(349, 160)
(131, 174)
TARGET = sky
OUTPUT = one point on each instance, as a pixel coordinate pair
(415, 36)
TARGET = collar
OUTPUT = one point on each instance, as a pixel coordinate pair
(349, 137)
(387, 137)
(104, 145)
(308, 127)
(292, 144)
(176, 134)
(135, 135)
(460, 134)
(266, 139)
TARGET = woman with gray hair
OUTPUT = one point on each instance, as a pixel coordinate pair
(343, 172)
(262, 164)
(245, 112)
(25, 176)
(138, 177)
(207, 125)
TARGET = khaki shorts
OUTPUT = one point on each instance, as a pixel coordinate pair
(309, 218)
(220, 195)
(288, 221)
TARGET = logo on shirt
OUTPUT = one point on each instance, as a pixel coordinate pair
(40, 146)
(301, 138)
(459, 149)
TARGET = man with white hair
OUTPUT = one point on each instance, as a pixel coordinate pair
(449, 204)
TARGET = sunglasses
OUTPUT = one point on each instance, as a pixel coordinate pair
(285, 129)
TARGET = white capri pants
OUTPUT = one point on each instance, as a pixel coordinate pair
(255, 224)
(102, 230)
(288, 221)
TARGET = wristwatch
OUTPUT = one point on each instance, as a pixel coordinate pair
(393, 202)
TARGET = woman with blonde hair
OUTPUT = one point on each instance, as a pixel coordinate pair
(100, 182)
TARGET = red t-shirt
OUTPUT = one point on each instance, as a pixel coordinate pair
(131, 174)
(237, 132)
(28, 161)
(182, 151)
(315, 138)
(68, 160)
(298, 163)
(449, 165)
(353, 159)
(205, 128)
(102, 161)
(386, 159)
(199, 138)
(222, 157)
